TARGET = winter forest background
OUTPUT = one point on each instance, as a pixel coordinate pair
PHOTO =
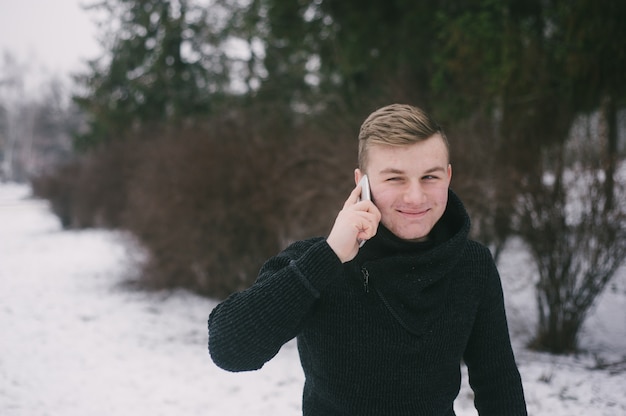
(215, 132)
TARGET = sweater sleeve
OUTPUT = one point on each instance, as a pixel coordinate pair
(493, 373)
(249, 328)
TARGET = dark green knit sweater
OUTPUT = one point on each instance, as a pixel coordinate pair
(383, 334)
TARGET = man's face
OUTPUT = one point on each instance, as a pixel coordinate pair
(409, 185)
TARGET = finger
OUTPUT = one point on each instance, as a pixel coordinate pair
(354, 197)
(368, 207)
(368, 225)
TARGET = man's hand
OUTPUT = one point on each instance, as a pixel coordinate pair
(357, 221)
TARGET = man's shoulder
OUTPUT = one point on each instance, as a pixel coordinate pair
(295, 249)
(478, 251)
(477, 245)
(302, 244)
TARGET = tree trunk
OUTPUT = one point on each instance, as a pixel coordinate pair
(609, 134)
(558, 327)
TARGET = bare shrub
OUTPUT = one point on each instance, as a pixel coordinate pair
(90, 190)
(202, 221)
(59, 188)
(578, 241)
(211, 206)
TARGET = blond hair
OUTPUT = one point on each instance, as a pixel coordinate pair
(396, 125)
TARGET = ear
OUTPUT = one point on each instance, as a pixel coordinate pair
(357, 175)
(449, 172)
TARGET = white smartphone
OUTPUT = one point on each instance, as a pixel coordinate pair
(366, 194)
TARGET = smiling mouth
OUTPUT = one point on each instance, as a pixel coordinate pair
(414, 214)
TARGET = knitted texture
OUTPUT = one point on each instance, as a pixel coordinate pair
(385, 333)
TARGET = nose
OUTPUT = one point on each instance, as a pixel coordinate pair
(414, 193)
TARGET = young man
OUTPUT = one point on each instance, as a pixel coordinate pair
(382, 329)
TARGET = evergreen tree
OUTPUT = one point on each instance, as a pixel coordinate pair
(156, 73)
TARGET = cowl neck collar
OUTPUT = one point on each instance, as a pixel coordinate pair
(412, 278)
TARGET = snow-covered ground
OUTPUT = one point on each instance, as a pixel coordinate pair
(75, 341)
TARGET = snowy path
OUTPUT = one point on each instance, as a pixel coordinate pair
(75, 342)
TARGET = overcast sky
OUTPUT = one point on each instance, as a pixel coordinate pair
(53, 37)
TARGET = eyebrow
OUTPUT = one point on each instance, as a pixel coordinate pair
(394, 171)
